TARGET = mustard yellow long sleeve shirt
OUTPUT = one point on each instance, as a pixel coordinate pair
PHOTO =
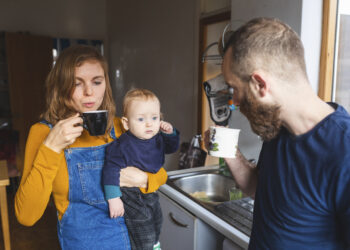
(45, 172)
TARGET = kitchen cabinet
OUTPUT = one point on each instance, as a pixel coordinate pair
(229, 245)
(4, 88)
(210, 227)
(25, 61)
(182, 230)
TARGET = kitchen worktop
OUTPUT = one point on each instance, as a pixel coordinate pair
(221, 217)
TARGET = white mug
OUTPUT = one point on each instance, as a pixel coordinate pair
(223, 142)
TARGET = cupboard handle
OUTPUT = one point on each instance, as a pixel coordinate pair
(176, 221)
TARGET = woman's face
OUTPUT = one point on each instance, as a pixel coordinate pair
(90, 87)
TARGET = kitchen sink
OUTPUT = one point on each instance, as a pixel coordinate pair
(208, 188)
(211, 190)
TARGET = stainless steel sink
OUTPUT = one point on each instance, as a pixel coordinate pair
(208, 188)
(238, 212)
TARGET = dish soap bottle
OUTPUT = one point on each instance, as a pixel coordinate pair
(192, 155)
(223, 168)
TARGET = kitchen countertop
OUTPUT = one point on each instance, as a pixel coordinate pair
(205, 214)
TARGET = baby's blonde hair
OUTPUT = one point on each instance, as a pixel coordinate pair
(134, 94)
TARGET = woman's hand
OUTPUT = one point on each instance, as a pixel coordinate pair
(133, 177)
(64, 133)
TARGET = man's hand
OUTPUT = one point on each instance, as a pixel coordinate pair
(166, 127)
(116, 207)
(206, 139)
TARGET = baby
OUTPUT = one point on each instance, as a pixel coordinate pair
(143, 145)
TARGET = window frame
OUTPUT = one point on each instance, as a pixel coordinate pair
(329, 24)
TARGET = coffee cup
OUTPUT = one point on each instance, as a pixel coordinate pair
(223, 142)
(95, 122)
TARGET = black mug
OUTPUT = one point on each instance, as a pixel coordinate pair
(95, 122)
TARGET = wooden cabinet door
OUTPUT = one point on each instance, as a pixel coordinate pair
(29, 59)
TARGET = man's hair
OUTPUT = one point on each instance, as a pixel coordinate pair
(269, 44)
(137, 94)
(60, 84)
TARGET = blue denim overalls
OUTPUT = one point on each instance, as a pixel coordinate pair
(86, 224)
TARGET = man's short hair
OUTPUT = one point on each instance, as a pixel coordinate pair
(269, 44)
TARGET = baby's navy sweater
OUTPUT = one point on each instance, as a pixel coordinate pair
(128, 150)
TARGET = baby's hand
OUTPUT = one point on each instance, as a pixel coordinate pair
(116, 207)
(166, 127)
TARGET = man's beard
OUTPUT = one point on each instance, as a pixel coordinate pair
(264, 119)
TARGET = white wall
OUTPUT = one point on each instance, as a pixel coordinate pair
(58, 18)
(155, 46)
(311, 35)
(288, 11)
(210, 6)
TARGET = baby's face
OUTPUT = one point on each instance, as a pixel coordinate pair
(144, 118)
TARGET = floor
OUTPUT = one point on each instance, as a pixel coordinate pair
(43, 235)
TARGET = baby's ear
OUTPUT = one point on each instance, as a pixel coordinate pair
(125, 123)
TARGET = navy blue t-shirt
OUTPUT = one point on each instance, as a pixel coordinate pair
(302, 199)
(128, 150)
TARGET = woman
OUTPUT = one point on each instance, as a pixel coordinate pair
(63, 159)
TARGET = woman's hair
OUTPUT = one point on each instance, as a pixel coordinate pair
(266, 43)
(60, 84)
(137, 94)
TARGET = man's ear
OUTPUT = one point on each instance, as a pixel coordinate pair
(125, 123)
(260, 83)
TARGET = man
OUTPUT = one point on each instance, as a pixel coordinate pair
(301, 183)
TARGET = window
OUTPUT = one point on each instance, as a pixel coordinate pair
(341, 78)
